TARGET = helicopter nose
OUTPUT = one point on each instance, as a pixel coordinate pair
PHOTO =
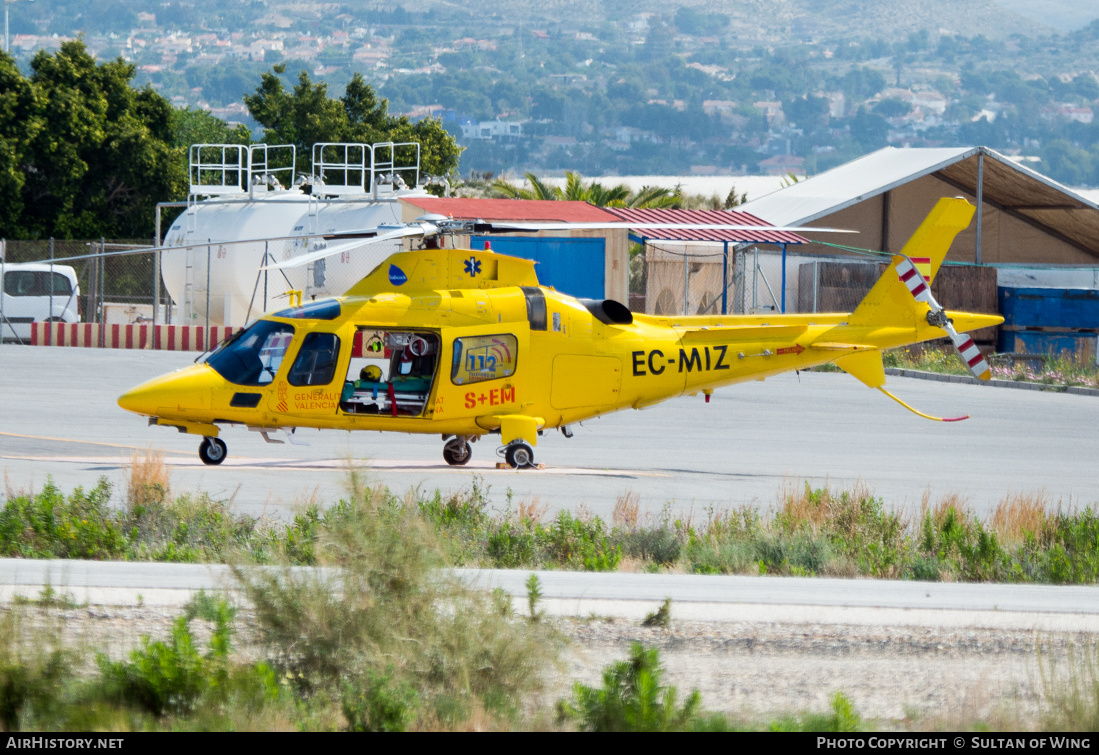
(186, 388)
(143, 399)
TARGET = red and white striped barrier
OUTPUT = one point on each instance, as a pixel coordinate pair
(144, 336)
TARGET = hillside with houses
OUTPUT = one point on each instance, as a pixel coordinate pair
(615, 87)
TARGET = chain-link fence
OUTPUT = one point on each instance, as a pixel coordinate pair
(120, 282)
(670, 278)
(73, 281)
(676, 278)
(123, 282)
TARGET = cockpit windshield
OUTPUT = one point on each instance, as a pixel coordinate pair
(254, 357)
(325, 309)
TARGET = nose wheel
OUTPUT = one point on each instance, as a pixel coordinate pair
(519, 455)
(457, 452)
(212, 451)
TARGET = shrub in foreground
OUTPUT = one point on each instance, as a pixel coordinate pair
(399, 642)
(632, 698)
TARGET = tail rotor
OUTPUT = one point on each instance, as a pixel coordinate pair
(914, 279)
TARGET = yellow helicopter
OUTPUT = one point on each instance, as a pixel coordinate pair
(465, 343)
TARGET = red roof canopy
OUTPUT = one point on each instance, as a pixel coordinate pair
(462, 208)
(716, 217)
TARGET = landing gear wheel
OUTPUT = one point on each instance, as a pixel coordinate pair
(519, 456)
(457, 452)
(212, 451)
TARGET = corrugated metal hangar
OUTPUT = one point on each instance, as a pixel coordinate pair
(1030, 231)
(1025, 217)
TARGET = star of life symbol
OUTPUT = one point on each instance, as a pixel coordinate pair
(473, 267)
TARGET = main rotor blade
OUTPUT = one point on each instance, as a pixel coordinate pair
(208, 243)
(555, 226)
(305, 259)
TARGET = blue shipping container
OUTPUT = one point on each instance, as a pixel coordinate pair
(574, 266)
(1078, 346)
(1049, 307)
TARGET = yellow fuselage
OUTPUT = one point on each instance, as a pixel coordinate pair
(575, 369)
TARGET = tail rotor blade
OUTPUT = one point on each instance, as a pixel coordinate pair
(918, 286)
(970, 354)
(916, 283)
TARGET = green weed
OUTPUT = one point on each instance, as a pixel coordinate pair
(1070, 696)
(842, 718)
(632, 698)
(813, 531)
(534, 597)
(1056, 371)
(661, 617)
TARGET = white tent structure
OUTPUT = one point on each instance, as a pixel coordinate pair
(1025, 218)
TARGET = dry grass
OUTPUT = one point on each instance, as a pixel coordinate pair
(944, 506)
(148, 481)
(1070, 694)
(626, 510)
(10, 491)
(806, 509)
(797, 509)
(532, 511)
(631, 565)
(978, 704)
(1019, 515)
(396, 642)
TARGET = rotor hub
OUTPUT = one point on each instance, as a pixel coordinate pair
(937, 318)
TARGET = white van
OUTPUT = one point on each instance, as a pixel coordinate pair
(31, 293)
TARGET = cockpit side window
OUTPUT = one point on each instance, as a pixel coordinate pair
(316, 362)
(253, 357)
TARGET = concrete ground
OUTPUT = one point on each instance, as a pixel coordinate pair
(58, 418)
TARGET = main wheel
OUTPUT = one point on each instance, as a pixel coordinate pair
(457, 452)
(519, 456)
(212, 451)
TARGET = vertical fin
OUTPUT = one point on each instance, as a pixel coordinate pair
(890, 301)
(865, 366)
(928, 246)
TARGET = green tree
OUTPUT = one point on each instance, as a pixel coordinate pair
(538, 189)
(892, 107)
(869, 130)
(808, 113)
(1066, 162)
(862, 83)
(307, 115)
(19, 122)
(577, 191)
(200, 127)
(94, 153)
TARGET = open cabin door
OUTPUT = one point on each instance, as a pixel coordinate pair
(391, 372)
